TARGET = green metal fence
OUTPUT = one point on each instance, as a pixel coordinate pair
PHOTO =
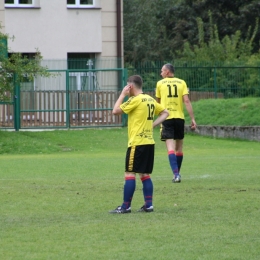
(69, 99)
(235, 81)
(76, 97)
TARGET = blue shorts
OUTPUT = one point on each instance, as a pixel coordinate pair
(140, 159)
(172, 129)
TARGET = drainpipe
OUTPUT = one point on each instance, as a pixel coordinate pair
(119, 34)
(119, 42)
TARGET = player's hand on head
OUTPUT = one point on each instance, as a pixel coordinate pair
(126, 89)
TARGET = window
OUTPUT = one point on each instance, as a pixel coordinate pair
(81, 80)
(79, 60)
(22, 3)
(80, 3)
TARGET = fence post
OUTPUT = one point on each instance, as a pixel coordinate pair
(215, 83)
(67, 100)
(17, 110)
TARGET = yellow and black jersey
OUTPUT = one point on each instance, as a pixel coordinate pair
(171, 91)
(141, 110)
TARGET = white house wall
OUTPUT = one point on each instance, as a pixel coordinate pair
(109, 28)
(54, 29)
(2, 16)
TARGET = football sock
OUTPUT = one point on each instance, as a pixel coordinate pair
(173, 162)
(129, 189)
(179, 157)
(147, 191)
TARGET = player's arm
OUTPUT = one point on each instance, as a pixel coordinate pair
(158, 100)
(162, 116)
(188, 105)
(117, 109)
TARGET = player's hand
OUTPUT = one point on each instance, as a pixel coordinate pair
(193, 125)
(126, 90)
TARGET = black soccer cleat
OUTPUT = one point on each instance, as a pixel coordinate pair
(177, 179)
(144, 209)
(120, 210)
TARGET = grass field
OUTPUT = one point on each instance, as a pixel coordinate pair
(232, 111)
(57, 188)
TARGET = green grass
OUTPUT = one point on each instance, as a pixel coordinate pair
(58, 186)
(62, 141)
(229, 112)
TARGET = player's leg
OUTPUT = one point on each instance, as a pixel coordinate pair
(128, 193)
(170, 145)
(179, 136)
(130, 183)
(179, 153)
(147, 193)
(167, 135)
(129, 189)
(145, 157)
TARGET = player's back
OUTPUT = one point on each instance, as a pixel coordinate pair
(170, 91)
(140, 120)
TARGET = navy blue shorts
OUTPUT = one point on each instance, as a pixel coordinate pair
(172, 129)
(140, 159)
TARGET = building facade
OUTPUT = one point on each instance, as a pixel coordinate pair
(64, 29)
(2, 15)
(81, 42)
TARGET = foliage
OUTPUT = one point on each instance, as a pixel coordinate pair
(211, 36)
(17, 68)
(150, 72)
(158, 30)
(230, 49)
(233, 80)
(145, 38)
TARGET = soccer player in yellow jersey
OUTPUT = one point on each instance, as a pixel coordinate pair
(172, 93)
(141, 109)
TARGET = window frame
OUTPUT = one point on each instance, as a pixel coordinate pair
(80, 6)
(34, 4)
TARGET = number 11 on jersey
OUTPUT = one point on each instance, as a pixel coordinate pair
(174, 89)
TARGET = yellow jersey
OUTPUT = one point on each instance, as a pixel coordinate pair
(171, 91)
(141, 110)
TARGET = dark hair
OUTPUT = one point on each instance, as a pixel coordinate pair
(137, 80)
(169, 67)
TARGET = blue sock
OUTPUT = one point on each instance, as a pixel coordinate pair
(179, 157)
(173, 162)
(129, 189)
(147, 191)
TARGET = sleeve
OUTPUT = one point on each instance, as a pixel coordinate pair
(185, 89)
(129, 105)
(158, 108)
(157, 92)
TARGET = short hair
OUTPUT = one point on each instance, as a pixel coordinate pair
(137, 80)
(169, 67)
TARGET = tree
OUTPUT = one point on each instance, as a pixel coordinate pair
(231, 48)
(17, 68)
(233, 51)
(145, 37)
(158, 30)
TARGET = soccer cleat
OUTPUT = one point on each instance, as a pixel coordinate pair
(176, 179)
(120, 210)
(144, 209)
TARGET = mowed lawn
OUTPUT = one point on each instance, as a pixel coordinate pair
(57, 187)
